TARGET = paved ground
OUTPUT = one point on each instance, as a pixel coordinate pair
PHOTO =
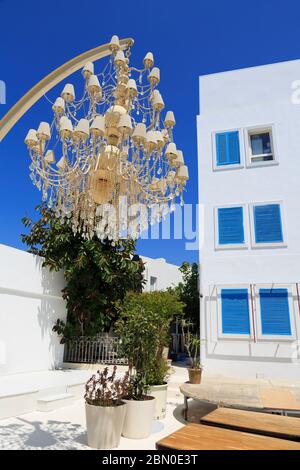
(65, 428)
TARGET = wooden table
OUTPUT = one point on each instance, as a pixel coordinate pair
(242, 396)
(254, 422)
(200, 437)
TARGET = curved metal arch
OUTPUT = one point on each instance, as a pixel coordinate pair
(48, 82)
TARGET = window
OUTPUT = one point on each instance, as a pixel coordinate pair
(235, 311)
(275, 312)
(260, 146)
(230, 226)
(267, 222)
(227, 148)
(153, 283)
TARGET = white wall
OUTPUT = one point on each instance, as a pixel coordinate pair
(167, 274)
(259, 96)
(30, 302)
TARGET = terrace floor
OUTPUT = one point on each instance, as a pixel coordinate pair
(64, 428)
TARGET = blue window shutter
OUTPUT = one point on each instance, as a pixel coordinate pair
(231, 225)
(227, 148)
(275, 312)
(267, 224)
(235, 311)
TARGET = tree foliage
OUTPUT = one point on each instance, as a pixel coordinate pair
(98, 274)
(144, 330)
(188, 292)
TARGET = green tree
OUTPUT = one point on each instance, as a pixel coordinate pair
(98, 274)
(188, 292)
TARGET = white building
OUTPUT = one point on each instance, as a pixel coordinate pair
(159, 275)
(249, 185)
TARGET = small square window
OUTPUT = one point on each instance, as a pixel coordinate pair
(153, 283)
(260, 146)
(227, 150)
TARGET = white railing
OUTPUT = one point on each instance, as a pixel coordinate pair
(103, 349)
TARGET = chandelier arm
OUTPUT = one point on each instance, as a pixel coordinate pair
(48, 82)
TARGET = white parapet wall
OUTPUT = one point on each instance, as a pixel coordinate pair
(30, 303)
(159, 275)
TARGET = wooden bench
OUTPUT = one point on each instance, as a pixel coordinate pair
(254, 422)
(201, 437)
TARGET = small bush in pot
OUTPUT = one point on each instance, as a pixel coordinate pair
(144, 330)
(139, 342)
(105, 408)
(157, 379)
(192, 345)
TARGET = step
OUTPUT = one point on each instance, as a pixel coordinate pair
(53, 402)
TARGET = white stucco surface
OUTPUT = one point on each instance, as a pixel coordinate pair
(30, 303)
(237, 100)
(166, 274)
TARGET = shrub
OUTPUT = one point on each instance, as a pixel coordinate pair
(143, 329)
(103, 389)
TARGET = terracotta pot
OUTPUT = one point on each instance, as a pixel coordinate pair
(160, 393)
(139, 418)
(104, 425)
(195, 376)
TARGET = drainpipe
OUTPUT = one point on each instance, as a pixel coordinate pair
(298, 296)
(253, 312)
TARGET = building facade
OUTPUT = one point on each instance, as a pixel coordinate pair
(159, 275)
(249, 173)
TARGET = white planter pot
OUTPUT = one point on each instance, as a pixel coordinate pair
(160, 393)
(139, 417)
(104, 425)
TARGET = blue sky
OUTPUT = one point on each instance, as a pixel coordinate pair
(188, 38)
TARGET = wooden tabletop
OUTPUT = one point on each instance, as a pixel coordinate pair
(201, 437)
(248, 421)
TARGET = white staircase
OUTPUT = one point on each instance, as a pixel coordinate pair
(40, 391)
(53, 402)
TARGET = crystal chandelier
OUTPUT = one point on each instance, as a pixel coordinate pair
(114, 144)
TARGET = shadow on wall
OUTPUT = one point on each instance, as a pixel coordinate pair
(51, 308)
(213, 343)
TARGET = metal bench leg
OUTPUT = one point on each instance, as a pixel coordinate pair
(186, 407)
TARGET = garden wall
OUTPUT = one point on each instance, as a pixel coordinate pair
(30, 302)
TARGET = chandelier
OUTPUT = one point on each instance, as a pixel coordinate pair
(116, 151)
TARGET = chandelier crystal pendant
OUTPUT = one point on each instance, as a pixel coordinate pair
(113, 144)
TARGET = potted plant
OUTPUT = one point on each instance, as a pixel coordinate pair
(157, 376)
(140, 408)
(105, 408)
(192, 346)
(167, 306)
(154, 312)
(139, 342)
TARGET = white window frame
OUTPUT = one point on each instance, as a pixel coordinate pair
(231, 336)
(258, 324)
(252, 225)
(234, 166)
(234, 246)
(248, 131)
